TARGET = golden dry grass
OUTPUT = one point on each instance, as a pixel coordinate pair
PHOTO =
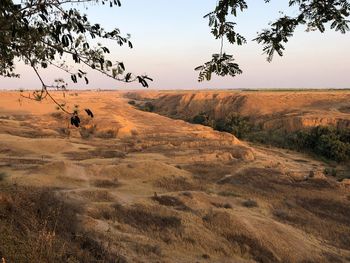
(146, 188)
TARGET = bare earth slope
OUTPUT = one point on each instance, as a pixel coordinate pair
(153, 189)
(290, 111)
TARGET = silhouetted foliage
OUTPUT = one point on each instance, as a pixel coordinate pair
(44, 33)
(314, 15)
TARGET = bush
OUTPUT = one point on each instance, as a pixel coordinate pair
(149, 107)
(234, 123)
(237, 125)
(201, 118)
(329, 142)
(131, 102)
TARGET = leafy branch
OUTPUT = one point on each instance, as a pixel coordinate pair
(42, 33)
(315, 15)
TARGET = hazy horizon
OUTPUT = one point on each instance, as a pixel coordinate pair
(172, 38)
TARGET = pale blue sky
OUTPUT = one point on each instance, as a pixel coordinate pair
(171, 38)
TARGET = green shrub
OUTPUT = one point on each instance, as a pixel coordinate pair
(131, 102)
(201, 118)
(149, 107)
(238, 125)
(234, 123)
(325, 141)
(329, 142)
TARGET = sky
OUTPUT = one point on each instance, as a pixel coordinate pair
(171, 38)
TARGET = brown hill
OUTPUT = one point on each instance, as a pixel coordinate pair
(134, 186)
(290, 110)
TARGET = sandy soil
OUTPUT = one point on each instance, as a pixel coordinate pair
(154, 189)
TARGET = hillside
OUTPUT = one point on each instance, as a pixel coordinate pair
(287, 110)
(135, 186)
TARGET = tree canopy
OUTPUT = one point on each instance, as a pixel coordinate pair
(43, 33)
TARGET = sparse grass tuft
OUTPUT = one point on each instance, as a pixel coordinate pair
(107, 134)
(170, 201)
(87, 132)
(222, 205)
(250, 203)
(282, 214)
(3, 175)
(63, 131)
(190, 195)
(39, 227)
(176, 184)
(228, 194)
(143, 218)
(104, 183)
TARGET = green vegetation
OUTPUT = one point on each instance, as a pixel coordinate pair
(202, 119)
(325, 141)
(329, 142)
(233, 123)
(148, 106)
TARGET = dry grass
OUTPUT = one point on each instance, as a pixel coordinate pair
(326, 218)
(250, 203)
(229, 194)
(171, 201)
(92, 154)
(96, 195)
(35, 226)
(86, 132)
(107, 134)
(144, 218)
(105, 183)
(222, 205)
(2, 176)
(220, 223)
(177, 184)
